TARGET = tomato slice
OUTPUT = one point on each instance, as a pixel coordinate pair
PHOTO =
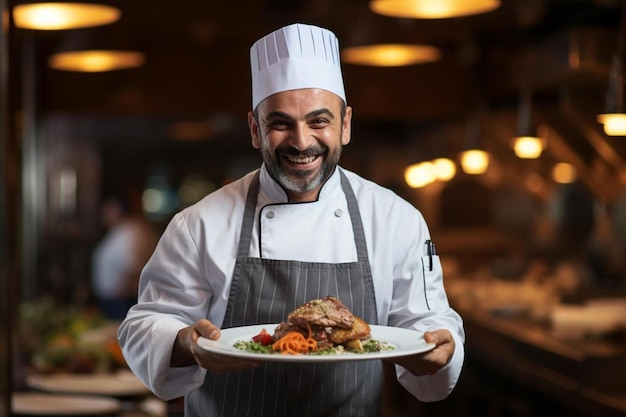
(263, 338)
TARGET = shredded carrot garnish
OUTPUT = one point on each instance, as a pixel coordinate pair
(294, 343)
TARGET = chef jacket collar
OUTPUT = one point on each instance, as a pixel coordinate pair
(277, 194)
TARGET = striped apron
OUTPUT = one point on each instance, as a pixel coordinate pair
(264, 291)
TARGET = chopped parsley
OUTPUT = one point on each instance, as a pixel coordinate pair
(253, 347)
(373, 345)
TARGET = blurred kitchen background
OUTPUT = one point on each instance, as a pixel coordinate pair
(531, 231)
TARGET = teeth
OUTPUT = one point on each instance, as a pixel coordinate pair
(301, 159)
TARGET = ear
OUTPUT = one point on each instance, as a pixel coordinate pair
(254, 131)
(346, 126)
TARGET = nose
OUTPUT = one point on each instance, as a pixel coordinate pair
(301, 137)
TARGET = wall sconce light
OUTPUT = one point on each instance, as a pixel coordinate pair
(614, 119)
(60, 16)
(432, 9)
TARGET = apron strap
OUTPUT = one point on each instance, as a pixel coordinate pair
(248, 217)
(355, 217)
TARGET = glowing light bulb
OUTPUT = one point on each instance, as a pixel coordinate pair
(419, 175)
(432, 9)
(60, 16)
(96, 60)
(445, 169)
(614, 123)
(528, 147)
(564, 173)
(474, 161)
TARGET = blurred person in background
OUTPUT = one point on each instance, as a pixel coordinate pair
(120, 256)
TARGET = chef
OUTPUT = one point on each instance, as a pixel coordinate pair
(298, 228)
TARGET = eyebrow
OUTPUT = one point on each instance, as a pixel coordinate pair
(314, 113)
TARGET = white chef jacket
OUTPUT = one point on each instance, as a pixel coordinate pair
(189, 275)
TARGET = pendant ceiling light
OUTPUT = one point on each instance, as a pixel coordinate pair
(95, 50)
(445, 169)
(473, 159)
(527, 144)
(614, 123)
(423, 173)
(435, 166)
(390, 55)
(432, 9)
(614, 118)
(419, 175)
(528, 147)
(61, 16)
(96, 60)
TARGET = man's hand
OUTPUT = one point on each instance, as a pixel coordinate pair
(186, 351)
(430, 362)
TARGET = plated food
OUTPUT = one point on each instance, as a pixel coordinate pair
(320, 330)
(320, 326)
(395, 342)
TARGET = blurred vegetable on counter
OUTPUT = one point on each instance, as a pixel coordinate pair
(66, 338)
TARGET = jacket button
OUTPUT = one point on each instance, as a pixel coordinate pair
(338, 213)
(270, 214)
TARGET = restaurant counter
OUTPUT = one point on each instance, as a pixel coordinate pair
(586, 375)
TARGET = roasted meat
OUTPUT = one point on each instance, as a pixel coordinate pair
(360, 330)
(330, 322)
(325, 312)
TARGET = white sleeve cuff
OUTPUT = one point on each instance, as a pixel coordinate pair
(437, 387)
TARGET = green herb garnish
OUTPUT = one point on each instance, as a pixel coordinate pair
(369, 346)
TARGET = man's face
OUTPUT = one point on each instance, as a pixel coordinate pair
(300, 134)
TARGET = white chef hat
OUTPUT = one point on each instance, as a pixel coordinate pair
(293, 57)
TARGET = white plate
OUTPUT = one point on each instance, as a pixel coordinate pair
(39, 404)
(404, 341)
(120, 384)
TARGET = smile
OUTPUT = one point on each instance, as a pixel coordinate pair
(300, 159)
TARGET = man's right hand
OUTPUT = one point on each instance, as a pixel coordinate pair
(186, 351)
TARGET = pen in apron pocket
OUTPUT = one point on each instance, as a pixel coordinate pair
(430, 250)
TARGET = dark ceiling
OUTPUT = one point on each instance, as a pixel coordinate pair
(197, 55)
(197, 66)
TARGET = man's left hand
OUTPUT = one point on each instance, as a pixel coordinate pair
(430, 362)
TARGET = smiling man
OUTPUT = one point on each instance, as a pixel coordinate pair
(298, 228)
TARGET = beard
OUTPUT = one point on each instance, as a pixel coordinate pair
(301, 181)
